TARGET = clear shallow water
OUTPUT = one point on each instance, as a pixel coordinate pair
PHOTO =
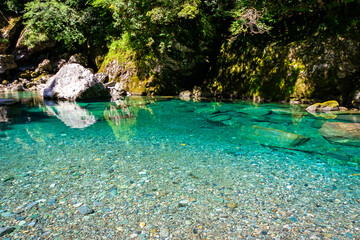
(135, 159)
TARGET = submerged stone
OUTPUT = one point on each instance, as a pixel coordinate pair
(272, 136)
(85, 210)
(6, 230)
(218, 118)
(341, 133)
(317, 123)
(206, 110)
(255, 111)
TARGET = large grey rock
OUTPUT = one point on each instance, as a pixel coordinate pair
(7, 62)
(276, 137)
(341, 133)
(73, 82)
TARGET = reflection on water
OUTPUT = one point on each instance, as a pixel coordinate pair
(70, 113)
(3, 114)
(121, 117)
(279, 127)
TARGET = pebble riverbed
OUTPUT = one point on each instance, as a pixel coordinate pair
(157, 170)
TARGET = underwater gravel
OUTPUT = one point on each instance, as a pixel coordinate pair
(173, 190)
(174, 177)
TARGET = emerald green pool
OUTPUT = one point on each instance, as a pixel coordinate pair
(168, 168)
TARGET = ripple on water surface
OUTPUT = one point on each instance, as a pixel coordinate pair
(165, 168)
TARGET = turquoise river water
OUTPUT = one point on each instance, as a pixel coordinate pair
(166, 168)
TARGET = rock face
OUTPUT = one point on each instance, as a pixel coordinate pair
(7, 62)
(73, 82)
(341, 133)
(324, 107)
(312, 68)
(277, 137)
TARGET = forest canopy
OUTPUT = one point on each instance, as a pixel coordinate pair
(155, 25)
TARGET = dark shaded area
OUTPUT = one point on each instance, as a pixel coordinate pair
(323, 46)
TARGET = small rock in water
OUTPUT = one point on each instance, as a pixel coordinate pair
(52, 201)
(32, 224)
(8, 179)
(142, 172)
(164, 233)
(77, 204)
(134, 235)
(231, 205)
(22, 223)
(99, 204)
(183, 203)
(85, 210)
(31, 205)
(6, 230)
(19, 218)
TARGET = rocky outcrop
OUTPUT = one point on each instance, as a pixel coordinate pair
(74, 82)
(275, 137)
(118, 91)
(341, 133)
(7, 62)
(324, 107)
(124, 73)
(297, 68)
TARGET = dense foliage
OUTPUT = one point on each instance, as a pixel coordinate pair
(157, 25)
(168, 36)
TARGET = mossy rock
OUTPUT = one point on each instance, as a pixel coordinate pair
(324, 107)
